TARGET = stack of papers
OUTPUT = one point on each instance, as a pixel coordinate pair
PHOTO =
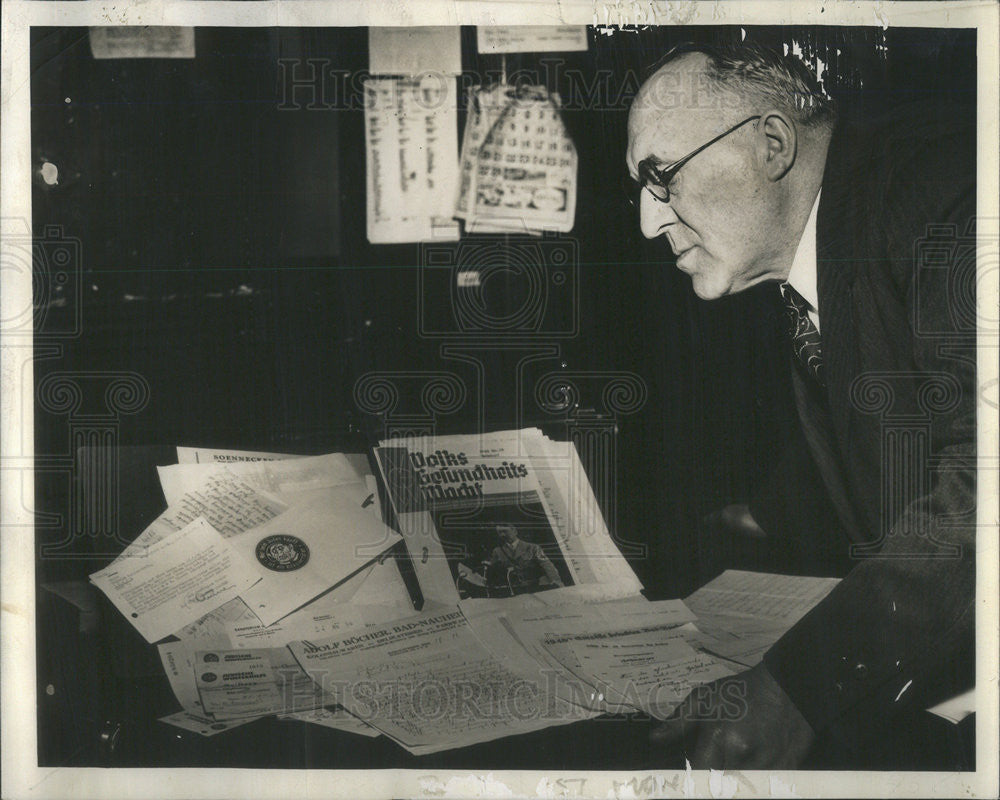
(618, 657)
(176, 578)
(253, 551)
(267, 587)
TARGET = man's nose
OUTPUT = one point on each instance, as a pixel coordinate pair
(654, 216)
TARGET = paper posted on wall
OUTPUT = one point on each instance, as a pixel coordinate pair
(411, 51)
(518, 163)
(142, 41)
(530, 38)
(411, 158)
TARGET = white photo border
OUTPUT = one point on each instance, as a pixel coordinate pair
(23, 779)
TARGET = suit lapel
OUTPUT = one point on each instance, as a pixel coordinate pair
(838, 265)
(835, 273)
(848, 312)
(818, 432)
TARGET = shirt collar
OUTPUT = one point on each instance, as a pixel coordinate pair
(802, 275)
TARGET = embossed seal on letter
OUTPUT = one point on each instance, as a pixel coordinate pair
(282, 552)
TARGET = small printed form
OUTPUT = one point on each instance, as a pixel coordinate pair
(247, 683)
(176, 580)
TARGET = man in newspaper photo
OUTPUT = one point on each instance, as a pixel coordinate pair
(522, 566)
(752, 174)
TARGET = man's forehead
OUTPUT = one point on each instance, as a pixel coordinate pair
(682, 83)
(664, 135)
(671, 107)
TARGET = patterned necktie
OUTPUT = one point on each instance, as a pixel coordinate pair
(806, 343)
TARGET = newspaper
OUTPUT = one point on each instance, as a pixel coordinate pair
(499, 515)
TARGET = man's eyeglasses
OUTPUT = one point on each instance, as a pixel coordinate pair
(656, 180)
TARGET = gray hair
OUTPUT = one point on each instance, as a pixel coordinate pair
(763, 78)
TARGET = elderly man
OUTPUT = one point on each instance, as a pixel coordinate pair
(740, 161)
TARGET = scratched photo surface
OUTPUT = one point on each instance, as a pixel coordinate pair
(208, 271)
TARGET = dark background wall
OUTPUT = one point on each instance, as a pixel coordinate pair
(217, 228)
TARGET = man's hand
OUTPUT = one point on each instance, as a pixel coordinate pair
(743, 721)
(736, 520)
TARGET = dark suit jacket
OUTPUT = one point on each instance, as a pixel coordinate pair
(893, 434)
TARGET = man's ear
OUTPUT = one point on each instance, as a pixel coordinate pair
(781, 141)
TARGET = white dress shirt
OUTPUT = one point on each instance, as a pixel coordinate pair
(802, 275)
